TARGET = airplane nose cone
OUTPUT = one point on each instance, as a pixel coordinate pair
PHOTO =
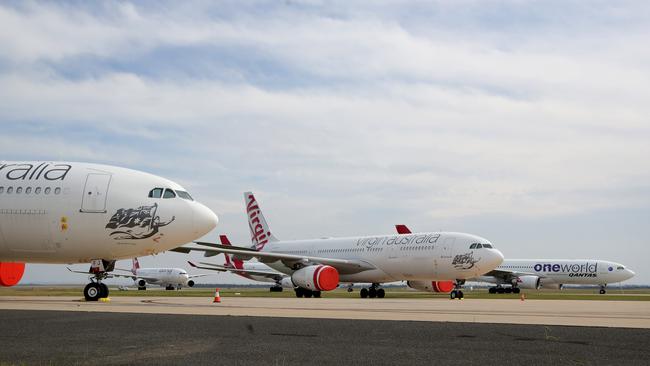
(496, 258)
(204, 219)
(630, 273)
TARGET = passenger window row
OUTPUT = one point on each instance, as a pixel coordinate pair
(169, 193)
(29, 190)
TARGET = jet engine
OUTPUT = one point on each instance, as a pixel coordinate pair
(548, 283)
(528, 282)
(141, 283)
(190, 283)
(316, 278)
(286, 282)
(11, 273)
(433, 286)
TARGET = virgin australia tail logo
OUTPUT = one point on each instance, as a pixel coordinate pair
(136, 223)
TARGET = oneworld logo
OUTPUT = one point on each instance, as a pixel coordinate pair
(573, 270)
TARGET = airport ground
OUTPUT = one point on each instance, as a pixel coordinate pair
(45, 325)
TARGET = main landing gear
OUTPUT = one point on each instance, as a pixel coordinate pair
(504, 290)
(303, 292)
(99, 269)
(457, 293)
(602, 290)
(276, 288)
(372, 292)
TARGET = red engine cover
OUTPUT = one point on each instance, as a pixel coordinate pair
(326, 278)
(442, 286)
(11, 273)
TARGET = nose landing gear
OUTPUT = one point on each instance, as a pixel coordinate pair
(457, 292)
(602, 289)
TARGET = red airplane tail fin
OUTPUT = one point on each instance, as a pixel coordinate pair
(237, 263)
(402, 229)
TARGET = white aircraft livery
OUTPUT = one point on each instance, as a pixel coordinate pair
(320, 264)
(69, 212)
(536, 273)
(169, 278)
(553, 273)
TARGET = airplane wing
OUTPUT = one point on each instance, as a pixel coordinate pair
(277, 276)
(509, 275)
(344, 266)
(112, 274)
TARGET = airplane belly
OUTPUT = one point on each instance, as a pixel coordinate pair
(26, 231)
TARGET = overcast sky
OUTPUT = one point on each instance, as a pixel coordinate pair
(523, 122)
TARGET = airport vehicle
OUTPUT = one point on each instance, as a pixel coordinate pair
(70, 212)
(320, 264)
(516, 274)
(169, 278)
(250, 270)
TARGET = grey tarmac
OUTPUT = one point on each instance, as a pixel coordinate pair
(97, 338)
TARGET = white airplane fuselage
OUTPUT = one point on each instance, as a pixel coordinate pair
(69, 212)
(417, 256)
(164, 277)
(566, 271)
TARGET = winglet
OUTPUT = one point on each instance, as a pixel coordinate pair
(402, 229)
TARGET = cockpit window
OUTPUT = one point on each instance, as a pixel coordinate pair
(156, 193)
(620, 267)
(487, 245)
(473, 246)
(169, 193)
(479, 246)
(184, 195)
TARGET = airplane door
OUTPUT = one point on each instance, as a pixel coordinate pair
(95, 193)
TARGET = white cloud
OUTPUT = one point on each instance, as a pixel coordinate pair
(438, 110)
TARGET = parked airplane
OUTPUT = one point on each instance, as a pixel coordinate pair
(64, 212)
(250, 270)
(320, 264)
(536, 273)
(169, 278)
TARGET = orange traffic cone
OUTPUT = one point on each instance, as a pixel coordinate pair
(523, 297)
(217, 297)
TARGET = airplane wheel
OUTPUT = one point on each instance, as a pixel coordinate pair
(372, 293)
(602, 291)
(317, 294)
(516, 290)
(308, 293)
(103, 290)
(363, 293)
(141, 288)
(460, 294)
(453, 294)
(299, 292)
(92, 292)
(381, 293)
(508, 290)
(500, 290)
(492, 290)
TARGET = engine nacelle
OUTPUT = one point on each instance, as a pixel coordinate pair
(431, 286)
(190, 283)
(11, 273)
(548, 283)
(316, 278)
(286, 282)
(141, 283)
(528, 282)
